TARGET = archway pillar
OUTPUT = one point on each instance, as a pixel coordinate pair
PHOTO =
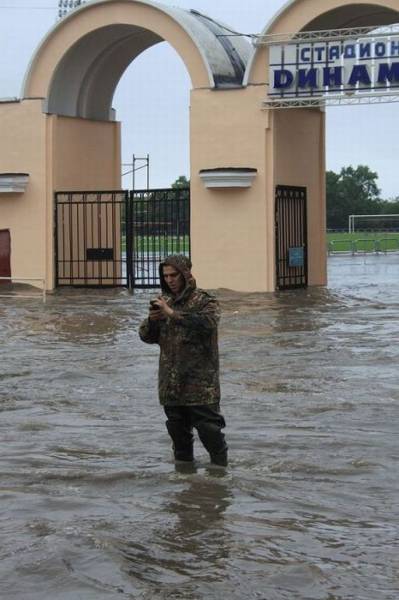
(24, 148)
(299, 160)
(83, 155)
(87, 154)
(231, 228)
(57, 153)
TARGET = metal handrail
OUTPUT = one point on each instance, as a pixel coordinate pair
(11, 279)
(368, 241)
(385, 250)
(332, 243)
(353, 246)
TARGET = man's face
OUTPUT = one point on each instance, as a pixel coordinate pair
(173, 279)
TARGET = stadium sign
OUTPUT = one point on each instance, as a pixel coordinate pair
(316, 69)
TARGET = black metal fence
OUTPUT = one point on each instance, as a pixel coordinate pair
(118, 238)
(291, 237)
(160, 226)
(90, 244)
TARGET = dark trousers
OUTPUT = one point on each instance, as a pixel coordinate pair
(209, 423)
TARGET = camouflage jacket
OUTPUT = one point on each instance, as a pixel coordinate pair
(189, 358)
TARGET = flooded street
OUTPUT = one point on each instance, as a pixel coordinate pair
(92, 505)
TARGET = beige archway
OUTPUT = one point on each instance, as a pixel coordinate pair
(295, 138)
(67, 99)
(63, 132)
(79, 63)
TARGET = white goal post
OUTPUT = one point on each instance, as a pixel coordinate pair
(352, 219)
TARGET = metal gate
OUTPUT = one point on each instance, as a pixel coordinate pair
(118, 238)
(90, 245)
(160, 226)
(5, 255)
(291, 237)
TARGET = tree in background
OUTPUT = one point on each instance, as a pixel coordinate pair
(390, 207)
(351, 192)
(181, 182)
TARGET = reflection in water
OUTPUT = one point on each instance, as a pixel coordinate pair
(91, 507)
(200, 510)
(192, 541)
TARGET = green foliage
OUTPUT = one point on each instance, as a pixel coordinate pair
(352, 191)
(181, 182)
(390, 207)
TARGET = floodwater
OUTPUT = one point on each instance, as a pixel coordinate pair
(92, 505)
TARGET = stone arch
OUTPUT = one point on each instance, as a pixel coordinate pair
(312, 15)
(296, 137)
(80, 62)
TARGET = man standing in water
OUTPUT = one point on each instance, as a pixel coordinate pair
(184, 321)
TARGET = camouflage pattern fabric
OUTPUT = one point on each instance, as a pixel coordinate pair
(189, 357)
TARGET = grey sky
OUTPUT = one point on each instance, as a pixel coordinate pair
(152, 98)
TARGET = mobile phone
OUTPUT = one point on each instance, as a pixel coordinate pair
(153, 305)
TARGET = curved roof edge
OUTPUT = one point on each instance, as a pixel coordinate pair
(264, 31)
(277, 15)
(224, 58)
(236, 50)
(286, 8)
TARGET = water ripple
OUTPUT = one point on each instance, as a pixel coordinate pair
(92, 505)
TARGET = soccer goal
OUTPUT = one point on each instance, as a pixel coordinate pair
(386, 222)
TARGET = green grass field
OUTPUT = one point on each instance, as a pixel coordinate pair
(363, 241)
(160, 244)
(360, 241)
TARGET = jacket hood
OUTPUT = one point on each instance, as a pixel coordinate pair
(182, 264)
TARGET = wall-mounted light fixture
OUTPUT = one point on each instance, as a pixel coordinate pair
(228, 177)
(13, 183)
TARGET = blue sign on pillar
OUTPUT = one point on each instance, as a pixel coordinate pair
(296, 257)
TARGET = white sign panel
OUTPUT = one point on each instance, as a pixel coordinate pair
(322, 68)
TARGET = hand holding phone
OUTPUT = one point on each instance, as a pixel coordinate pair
(156, 313)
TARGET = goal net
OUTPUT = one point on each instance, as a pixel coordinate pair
(374, 223)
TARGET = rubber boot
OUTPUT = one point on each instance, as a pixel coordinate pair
(214, 442)
(182, 439)
(221, 459)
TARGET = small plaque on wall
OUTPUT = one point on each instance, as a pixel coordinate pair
(296, 257)
(100, 254)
